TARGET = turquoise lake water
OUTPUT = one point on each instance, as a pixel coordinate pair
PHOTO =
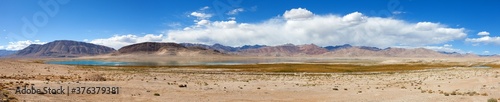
(161, 63)
(192, 62)
(90, 62)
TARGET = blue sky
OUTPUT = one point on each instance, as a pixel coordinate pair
(440, 25)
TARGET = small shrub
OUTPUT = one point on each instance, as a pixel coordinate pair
(336, 89)
(454, 93)
(96, 77)
(492, 100)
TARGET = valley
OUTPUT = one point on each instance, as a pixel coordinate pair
(153, 71)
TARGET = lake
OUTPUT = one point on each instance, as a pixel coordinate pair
(164, 63)
(90, 62)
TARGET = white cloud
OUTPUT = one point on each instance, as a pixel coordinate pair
(447, 45)
(202, 22)
(118, 41)
(235, 11)
(484, 39)
(486, 52)
(483, 33)
(19, 45)
(205, 8)
(201, 15)
(2, 48)
(443, 48)
(354, 18)
(174, 24)
(300, 26)
(398, 12)
(298, 14)
(202, 19)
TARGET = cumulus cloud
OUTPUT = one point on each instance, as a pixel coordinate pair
(298, 14)
(235, 11)
(118, 41)
(354, 18)
(19, 45)
(485, 40)
(202, 19)
(483, 33)
(201, 15)
(301, 26)
(202, 22)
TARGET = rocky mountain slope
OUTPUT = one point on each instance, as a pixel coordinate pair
(284, 50)
(63, 48)
(223, 48)
(167, 49)
(388, 52)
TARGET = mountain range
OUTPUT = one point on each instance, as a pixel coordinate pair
(68, 48)
(6, 53)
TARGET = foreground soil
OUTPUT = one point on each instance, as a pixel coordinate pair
(410, 80)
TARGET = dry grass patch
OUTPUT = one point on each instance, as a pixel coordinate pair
(325, 67)
(493, 65)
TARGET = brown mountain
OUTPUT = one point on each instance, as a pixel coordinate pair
(388, 52)
(167, 49)
(63, 48)
(290, 50)
(353, 52)
(285, 50)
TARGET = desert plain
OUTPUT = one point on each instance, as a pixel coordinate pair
(378, 79)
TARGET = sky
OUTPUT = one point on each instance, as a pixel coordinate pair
(464, 26)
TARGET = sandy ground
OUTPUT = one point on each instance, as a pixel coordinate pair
(455, 84)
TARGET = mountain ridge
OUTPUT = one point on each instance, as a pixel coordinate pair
(68, 48)
(6, 53)
(63, 48)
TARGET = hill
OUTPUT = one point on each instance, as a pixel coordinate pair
(63, 48)
(166, 49)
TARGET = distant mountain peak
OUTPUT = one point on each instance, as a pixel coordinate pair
(287, 44)
(332, 48)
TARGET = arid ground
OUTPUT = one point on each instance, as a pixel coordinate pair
(363, 79)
